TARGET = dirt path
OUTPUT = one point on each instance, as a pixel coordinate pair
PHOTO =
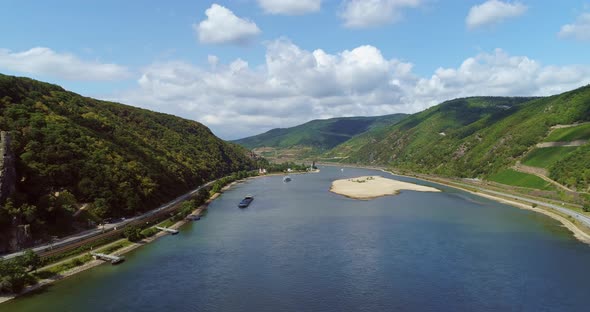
(562, 144)
(541, 173)
(568, 126)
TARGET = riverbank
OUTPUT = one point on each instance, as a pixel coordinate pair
(94, 263)
(369, 187)
(577, 231)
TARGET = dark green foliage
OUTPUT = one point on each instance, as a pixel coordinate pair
(149, 232)
(321, 135)
(31, 260)
(185, 209)
(14, 274)
(133, 233)
(219, 184)
(121, 160)
(283, 167)
(573, 170)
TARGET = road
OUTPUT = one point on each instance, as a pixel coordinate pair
(580, 217)
(107, 227)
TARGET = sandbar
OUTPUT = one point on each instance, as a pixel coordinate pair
(369, 187)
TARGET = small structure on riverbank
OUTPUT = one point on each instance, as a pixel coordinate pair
(112, 259)
(171, 231)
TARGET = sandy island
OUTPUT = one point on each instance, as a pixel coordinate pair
(369, 187)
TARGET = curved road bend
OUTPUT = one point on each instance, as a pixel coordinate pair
(107, 227)
(580, 217)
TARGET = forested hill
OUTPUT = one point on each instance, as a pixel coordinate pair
(119, 160)
(475, 137)
(419, 140)
(320, 135)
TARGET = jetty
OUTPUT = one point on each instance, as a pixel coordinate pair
(171, 231)
(112, 259)
(193, 217)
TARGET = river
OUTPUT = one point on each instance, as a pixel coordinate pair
(299, 247)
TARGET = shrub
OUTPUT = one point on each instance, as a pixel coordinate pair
(133, 234)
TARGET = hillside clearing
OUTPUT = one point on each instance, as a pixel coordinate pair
(546, 157)
(581, 132)
(515, 178)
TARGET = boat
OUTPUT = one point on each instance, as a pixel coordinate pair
(193, 217)
(287, 179)
(246, 201)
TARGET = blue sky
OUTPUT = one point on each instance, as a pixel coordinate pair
(264, 64)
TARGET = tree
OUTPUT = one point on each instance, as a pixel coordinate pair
(71, 150)
(31, 260)
(100, 207)
(202, 196)
(13, 276)
(133, 233)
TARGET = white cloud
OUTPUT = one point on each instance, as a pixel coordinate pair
(492, 12)
(290, 7)
(213, 60)
(371, 13)
(295, 85)
(223, 26)
(579, 30)
(46, 62)
(500, 74)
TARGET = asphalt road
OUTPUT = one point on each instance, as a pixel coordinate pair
(107, 227)
(582, 218)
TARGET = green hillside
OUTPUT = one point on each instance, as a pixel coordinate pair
(581, 132)
(574, 169)
(119, 160)
(319, 135)
(547, 157)
(515, 178)
(411, 142)
(473, 137)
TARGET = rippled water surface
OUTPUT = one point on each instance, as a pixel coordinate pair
(299, 247)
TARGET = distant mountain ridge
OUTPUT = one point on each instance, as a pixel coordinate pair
(319, 135)
(476, 137)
